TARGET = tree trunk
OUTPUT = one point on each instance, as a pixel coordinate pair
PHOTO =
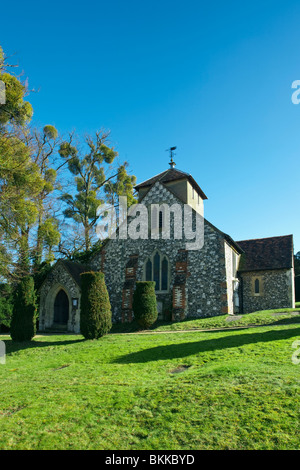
(39, 243)
(24, 267)
(87, 236)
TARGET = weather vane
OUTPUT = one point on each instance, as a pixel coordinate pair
(171, 150)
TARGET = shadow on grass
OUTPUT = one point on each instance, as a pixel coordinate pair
(14, 346)
(180, 350)
(133, 326)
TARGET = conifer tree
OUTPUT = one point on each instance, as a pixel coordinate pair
(144, 303)
(95, 309)
(23, 323)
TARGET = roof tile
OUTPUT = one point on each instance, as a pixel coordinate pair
(267, 253)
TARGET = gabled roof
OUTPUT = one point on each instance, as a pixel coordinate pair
(267, 253)
(171, 175)
(75, 269)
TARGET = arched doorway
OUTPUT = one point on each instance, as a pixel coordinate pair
(61, 309)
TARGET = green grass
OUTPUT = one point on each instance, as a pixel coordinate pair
(263, 317)
(199, 390)
(297, 304)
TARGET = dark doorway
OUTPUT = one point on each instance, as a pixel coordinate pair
(61, 308)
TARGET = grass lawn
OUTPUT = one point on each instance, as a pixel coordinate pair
(197, 390)
(263, 317)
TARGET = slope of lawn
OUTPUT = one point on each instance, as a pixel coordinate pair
(263, 317)
(200, 390)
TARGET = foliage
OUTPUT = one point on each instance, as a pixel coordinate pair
(97, 181)
(15, 110)
(6, 305)
(39, 275)
(43, 146)
(32, 164)
(95, 309)
(84, 257)
(29, 164)
(144, 303)
(23, 323)
(20, 182)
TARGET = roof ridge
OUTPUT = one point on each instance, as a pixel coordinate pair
(174, 175)
(264, 238)
(162, 174)
(78, 263)
(155, 176)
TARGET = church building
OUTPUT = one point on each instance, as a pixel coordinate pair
(222, 276)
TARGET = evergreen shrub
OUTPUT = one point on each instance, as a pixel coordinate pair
(144, 303)
(95, 309)
(23, 322)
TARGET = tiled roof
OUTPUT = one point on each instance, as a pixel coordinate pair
(267, 253)
(171, 175)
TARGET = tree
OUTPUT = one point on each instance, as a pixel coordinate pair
(6, 305)
(23, 323)
(15, 109)
(43, 146)
(29, 163)
(95, 309)
(97, 181)
(144, 303)
(20, 180)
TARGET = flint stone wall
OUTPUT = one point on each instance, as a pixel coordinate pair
(275, 290)
(59, 278)
(201, 272)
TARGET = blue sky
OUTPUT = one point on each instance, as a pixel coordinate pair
(212, 78)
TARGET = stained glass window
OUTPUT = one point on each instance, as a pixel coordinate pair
(149, 270)
(156, 271)
(164, 274)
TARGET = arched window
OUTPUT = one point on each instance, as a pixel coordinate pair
(149, 270)
(156, 269)
(157, 219)
(256, 286)
(160, 220)
(164, 274)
